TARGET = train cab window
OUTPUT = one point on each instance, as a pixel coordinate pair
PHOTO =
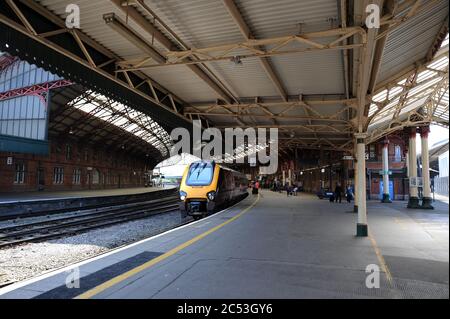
(200, 174)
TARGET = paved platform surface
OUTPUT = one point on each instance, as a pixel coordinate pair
(271, 247)
(44, 195)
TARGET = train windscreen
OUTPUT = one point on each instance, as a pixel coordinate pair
(200, 174)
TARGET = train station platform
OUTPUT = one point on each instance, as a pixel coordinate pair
(269, 246)
(49, 195)
(28, 204)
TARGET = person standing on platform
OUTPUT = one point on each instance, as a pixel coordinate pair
(256, 188)
(349, 194)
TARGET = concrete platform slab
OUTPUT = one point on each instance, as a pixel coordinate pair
(49, 195)
(296, 247)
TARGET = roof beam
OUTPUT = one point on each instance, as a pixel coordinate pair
(21, 16)
(364, 63)
(116, 23)
(245, 31)
(140, 20)
(438, 40)
(227, 52)
(270, 115)
(379, 49)
(407, 71)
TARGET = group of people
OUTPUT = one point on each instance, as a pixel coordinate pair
(338, 191)
(277, 186)
(291, 190)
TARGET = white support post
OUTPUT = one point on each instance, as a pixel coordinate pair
(361, 227)
(386, 197)
(427, 200)
(406, 155)
(413, 201)
(355, 186)
(407, 162)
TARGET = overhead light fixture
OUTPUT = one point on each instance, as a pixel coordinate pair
(236, 60)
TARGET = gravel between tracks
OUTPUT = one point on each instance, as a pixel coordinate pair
(29, 260)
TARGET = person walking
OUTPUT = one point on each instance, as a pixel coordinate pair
(338, 193)
(349, 194)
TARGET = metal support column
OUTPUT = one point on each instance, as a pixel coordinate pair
(361, 227)
(386, 197)
(355, 186)
(413, 201)
(427, 200)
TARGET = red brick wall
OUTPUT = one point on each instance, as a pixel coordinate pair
(111, 168)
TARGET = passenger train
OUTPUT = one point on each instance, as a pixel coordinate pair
(207, 186)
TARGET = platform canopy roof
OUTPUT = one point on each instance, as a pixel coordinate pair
(311, 68)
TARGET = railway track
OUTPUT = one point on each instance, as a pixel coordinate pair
(78, 222)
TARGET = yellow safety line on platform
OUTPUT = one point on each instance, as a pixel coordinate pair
(380, 257)
(108, 284)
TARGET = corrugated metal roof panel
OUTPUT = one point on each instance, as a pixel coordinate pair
(310, 73)
(268, 18)
(199, 23)
(205, 23)
(182, 82)
(247, 79)
(178, 79)
(411, 41)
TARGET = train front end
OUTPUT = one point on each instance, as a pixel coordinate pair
(198, 189)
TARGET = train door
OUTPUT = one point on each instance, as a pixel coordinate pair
(221, 186)
(230, 185)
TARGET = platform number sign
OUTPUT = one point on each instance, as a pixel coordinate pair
(9, 160)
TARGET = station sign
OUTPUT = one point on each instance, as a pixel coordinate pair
(348, 158)
(416, 181)
(385, 172)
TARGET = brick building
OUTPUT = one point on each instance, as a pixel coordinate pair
(70, 166)
(397, 166)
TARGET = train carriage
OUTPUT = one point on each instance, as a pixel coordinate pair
(207, 186)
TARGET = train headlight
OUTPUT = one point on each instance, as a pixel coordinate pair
(211, 195)
(183, 196)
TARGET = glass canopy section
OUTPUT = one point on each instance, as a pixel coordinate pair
(124, 117)
(423, 93)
